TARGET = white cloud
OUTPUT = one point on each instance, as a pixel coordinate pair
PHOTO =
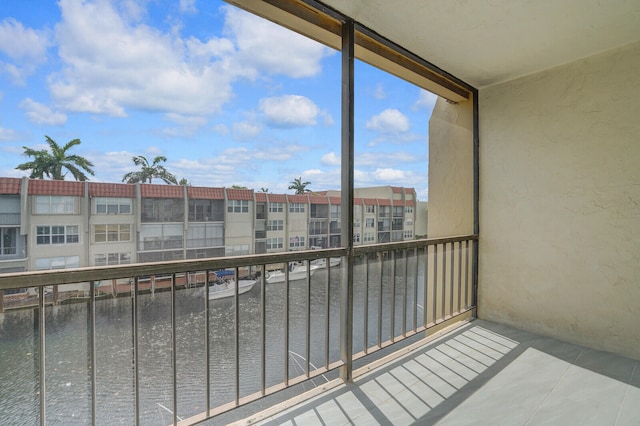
(330, 159)
(377, 159)
(245, 130)
(190, 121)
(327, 119)
(265, 46)
(188, 6)
(42, 114)
(389, 175)
(379, 93)
(22, 43)
(289, 111)
(221, 129)
(7, 134)
(388, 121)
(25, 46)
(113, 62)
(426, 100)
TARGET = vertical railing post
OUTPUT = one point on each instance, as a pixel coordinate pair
(92, 348)
(347, 170)
(174, 355)
(136, 352)
(41, 350)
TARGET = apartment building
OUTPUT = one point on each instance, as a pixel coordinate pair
(46, 224)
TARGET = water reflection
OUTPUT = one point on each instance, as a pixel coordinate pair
(68, 366)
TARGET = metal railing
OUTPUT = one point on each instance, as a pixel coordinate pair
(399, 290)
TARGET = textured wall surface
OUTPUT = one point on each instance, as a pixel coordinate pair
(450, 170)
(560, 202)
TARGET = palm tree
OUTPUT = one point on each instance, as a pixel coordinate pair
(299, 186)
(149, 171)
(50, 164)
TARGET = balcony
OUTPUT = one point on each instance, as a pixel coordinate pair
(144, 344)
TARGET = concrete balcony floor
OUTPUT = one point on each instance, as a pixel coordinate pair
(482, 373)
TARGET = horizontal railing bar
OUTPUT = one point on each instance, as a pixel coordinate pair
(98, 273)
(13, 280)
(400, 245)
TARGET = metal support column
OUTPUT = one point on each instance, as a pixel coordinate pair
(346, 296)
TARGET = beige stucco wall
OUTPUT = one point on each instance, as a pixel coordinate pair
(560, 202)
(450, 169)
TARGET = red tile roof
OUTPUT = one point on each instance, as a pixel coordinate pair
(204, 193)
(261, 197)
(161, 191)
(398, 203)
(318, 199)
(384, 202)
(277, 198)
(397, 189)
(10, 185)
(410, 203)
(370, 201)
(123, 190)
(298, 198)
(239, 194)
(358, 201)
(56, 187)
(335, 200)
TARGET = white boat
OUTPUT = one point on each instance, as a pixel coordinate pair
(297, 272)
(227, 288)
(322, 262)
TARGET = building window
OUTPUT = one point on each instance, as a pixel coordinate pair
(371, 209)
(206, 210)
(8, 241)
(369, 237)
(238, 206)
(205, 235)
(296, 208)
(105, 259)
(335, 211)
(112, 233)
(356, 223)
(275, 243)
(160, 237)
(61, 262)
(238, 250)
(275, 225)
(408, 223)
(370, 223)
(57, 234)
(408, 209)
(111, 205)
(408, 234)
(55, 204)
(356, 238)
(162, 210)
(296, 242)
(275, 208)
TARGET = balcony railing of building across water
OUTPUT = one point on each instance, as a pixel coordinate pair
(147, 344)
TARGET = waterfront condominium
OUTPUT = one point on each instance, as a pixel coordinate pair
(49, 224)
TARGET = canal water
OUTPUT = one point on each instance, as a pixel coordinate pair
(68, 371)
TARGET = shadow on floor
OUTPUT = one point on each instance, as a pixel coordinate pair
(484, 373)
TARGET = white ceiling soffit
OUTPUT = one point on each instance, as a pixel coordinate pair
(484, 42)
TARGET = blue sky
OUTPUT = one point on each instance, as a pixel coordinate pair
(228, 98)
